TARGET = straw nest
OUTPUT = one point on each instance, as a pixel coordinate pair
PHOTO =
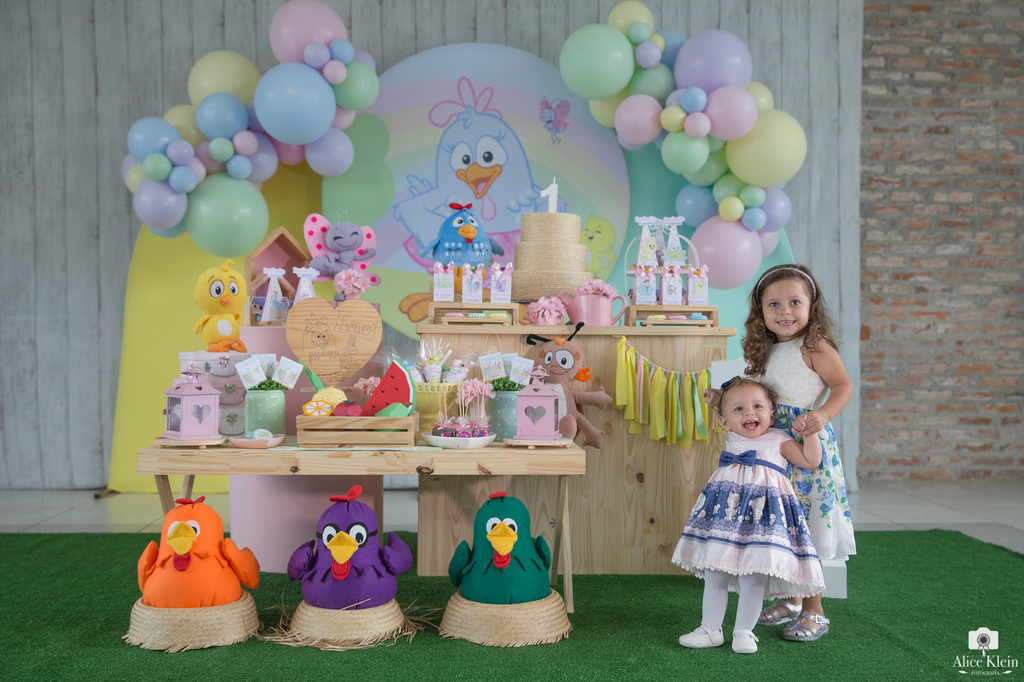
(174, 630)
(344, 629)
(536, 622)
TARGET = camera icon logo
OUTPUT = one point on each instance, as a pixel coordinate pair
(983, 639)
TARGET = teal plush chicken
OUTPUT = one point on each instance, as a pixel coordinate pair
(505, 565)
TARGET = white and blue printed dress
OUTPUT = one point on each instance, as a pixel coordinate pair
(821, 491)
(747, 520)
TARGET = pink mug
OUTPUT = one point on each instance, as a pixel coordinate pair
(595, 310)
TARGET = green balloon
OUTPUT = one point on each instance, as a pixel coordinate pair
(221, 149)
(714, 144)
(658, 82)
(683, 154)
(226, 217)
(596, 61)
(752, 196)
(714, 168)
(359, 89)
(727, 186)
(156, 167)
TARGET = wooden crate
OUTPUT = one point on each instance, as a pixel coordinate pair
(439, 308)
(321, 432)
(642, 313)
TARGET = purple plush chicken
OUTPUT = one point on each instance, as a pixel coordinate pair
(345, 566)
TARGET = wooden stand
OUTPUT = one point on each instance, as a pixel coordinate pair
(327, 432)
(642, 313)
(439, 308)
(532, 444)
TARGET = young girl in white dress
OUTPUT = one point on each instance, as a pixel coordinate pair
(789, 345)
(747, 528)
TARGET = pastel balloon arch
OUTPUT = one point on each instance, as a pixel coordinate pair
(715, 127)
(199, 169)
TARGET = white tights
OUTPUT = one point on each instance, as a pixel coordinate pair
(716, 598)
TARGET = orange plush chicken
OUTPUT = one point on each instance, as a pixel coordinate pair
(195, 565)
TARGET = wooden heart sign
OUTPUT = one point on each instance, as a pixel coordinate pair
(333, 342)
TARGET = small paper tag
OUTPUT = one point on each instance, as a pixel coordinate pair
(521, 368)
(287, 372)
(506, 362)
(267, 361)
(491, 366)
(444, 282)
(250, 371)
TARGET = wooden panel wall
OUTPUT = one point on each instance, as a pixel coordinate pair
(77, 73)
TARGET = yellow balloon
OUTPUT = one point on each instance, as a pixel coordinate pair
(659, 41)
(673, 118)
(762, 95)
(731, 208)
(603, 110)
(771, 153)
(183, 118)
(624, 14)
(223, 71)
(134, 176)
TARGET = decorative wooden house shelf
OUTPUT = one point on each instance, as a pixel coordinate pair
(642, 314)
(439, 309)
(321, 432)
(278, 250)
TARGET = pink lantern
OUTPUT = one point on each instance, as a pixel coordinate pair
(537, 412)
(193, 409)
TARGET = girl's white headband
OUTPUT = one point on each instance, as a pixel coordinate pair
(814, 290)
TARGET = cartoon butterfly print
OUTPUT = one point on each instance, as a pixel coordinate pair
(554, 115)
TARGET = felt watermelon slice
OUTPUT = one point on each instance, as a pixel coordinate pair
(396, 386)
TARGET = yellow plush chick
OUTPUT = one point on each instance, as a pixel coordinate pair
(220, 292)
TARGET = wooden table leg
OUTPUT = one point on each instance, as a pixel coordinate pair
(163, 488)
(186, 486)
(562, 549)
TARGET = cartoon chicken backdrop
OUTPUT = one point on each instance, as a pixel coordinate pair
(346, 566)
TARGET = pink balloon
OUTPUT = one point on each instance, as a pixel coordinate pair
(203, 154)
(245, 143)
(343, 118)
(335, 72)
(732, 111)
(289, 154)
(301, 22)
(638, 119)
(769, 240)
(697, 125)
(198, 168)
(731, 252)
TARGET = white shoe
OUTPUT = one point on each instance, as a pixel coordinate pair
(744, 641)
(703, 638)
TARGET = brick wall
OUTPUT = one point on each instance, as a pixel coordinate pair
(942, 219)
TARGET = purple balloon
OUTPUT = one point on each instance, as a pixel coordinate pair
(128, 162)
(264, 159)
(180, 152)
(711, 60)
(777, 209)
(647, 55)
(332, 154)
(365, 58)
(158, 205)
(254, 123)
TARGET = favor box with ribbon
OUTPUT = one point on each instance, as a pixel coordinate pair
(672, 291)
(473, 283)
(501, 283)
(645, 287)
(697, 285)
(444, 282)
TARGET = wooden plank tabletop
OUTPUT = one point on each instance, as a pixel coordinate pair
(288, 459)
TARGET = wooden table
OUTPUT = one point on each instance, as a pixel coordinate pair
(493, 463)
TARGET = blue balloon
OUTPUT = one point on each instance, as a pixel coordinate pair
(183, 179)
(221, 115)
(673, 41)
(754, 219)
(342, 50)
(693, 100)
(294, 103)
(150, 135)
(239, 167)
(696, 204)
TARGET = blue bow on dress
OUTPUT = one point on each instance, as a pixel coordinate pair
(745, 458)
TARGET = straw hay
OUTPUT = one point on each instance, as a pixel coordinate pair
(506, 625)
(345, 629)
(175, 630)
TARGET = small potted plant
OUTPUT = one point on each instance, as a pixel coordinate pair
(502, 410)
(265, 407)
(350, 284)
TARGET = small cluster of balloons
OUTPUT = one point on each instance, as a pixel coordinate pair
(199, 168)
(714, 126)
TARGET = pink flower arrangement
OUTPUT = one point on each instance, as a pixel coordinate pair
(367, 385)
(471, 389)
(596, 287)
(348, 282)
(546, 311)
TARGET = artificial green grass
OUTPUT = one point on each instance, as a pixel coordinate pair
(65, 602)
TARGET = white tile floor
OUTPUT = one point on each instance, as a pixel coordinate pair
(989, 510)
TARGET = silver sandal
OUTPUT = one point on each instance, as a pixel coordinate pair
(771, 615)
(799, 631)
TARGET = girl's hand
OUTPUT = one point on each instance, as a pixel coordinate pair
(711, 395)
(809, 422)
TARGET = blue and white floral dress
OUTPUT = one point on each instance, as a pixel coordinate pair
(821, 491)
(747, 520)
